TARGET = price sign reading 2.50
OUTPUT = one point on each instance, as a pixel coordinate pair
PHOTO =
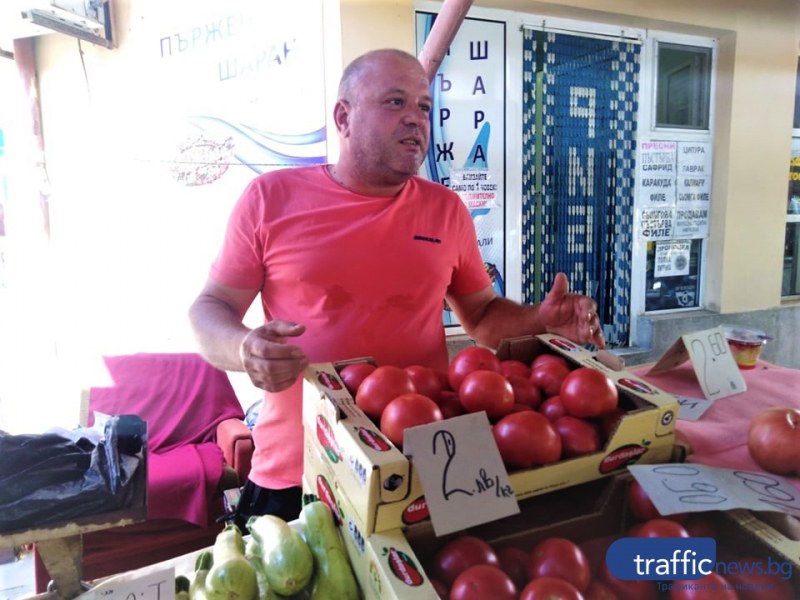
(461, 472)
(693, 488)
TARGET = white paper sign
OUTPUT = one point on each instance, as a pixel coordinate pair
(691, 222)
(461, 471)
(656, 173)
(672, 258)
(144, 585)
(678, 488)
(694, 173)
(691, 409)
(656, 223)
(712, 361)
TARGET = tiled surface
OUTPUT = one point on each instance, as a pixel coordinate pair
(16, 578)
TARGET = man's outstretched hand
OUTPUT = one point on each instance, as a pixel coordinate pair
(573, 316)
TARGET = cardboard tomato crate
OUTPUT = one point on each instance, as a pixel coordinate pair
(381, 483)
(383, 563)
(593, 514)
(393, 564)
(646, 434)
(779, 532)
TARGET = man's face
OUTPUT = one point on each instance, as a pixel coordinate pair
(389, 128)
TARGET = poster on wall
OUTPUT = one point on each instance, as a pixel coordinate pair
(674, 183)
(198, 100)
(467, 149)
(240, 87)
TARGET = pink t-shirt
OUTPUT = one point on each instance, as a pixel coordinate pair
(366, 275)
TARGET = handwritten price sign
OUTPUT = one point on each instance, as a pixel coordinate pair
(460, 468)
(678, 488)
(158, 585)
(713, 363)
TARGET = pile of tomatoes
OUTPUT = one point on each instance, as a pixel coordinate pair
(541, 412)
(557, 568)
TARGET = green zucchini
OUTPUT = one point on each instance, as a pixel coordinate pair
(333, 576)
(231, 577)
(197, 585)
(288, 562)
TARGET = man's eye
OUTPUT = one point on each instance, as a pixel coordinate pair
(426, 108)
(396, 102)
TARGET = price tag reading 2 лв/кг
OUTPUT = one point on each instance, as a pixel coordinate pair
(462, 474)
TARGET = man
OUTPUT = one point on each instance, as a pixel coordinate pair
(354, 259)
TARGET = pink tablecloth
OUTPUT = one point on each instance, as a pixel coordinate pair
(719, 438)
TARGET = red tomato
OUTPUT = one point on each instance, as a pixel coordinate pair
(548, 377)
(552, 408)
(578, 437)
(545, 358)
(550, 588)
(562, 558)
(658, 528)
(699, 525)
(440, 589)
(752, 585)
(481, 582)
(710, 587)
(353, 374)
(595, 551)
(628, 589)
(587, 392)
(425, 380)
(443, 379)
(486, 390)
(773, 440)
(511, 367)
(380, 387)
(407, 410)
(520, 407)
(599, 590)
(525, 439)
(514, 561)
(525, 391)
(471, 359)
(642, 508)
(459, 554)
(450, 404)
(639, 503)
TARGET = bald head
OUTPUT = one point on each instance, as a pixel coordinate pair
(360, 68)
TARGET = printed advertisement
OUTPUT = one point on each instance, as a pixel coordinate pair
(674, 180)
(467, 151)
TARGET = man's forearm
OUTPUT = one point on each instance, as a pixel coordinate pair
(219, 332)
(503, 318)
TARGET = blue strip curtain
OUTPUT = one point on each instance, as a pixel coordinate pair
(579, 130)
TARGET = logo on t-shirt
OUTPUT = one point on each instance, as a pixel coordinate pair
(425, 238)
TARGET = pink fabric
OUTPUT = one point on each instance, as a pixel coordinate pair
(300, 239)
(719, 438)
(182, 398)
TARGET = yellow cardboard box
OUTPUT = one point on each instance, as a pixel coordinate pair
(381, 484)
(778, 531)
(383, 563)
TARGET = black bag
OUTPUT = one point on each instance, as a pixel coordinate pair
(49, 478)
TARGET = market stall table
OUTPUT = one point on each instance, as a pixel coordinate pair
(719, 437)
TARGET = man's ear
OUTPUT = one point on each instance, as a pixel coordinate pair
(341, 116)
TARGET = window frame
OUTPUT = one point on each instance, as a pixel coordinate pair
(649, 130)
(793, 218)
